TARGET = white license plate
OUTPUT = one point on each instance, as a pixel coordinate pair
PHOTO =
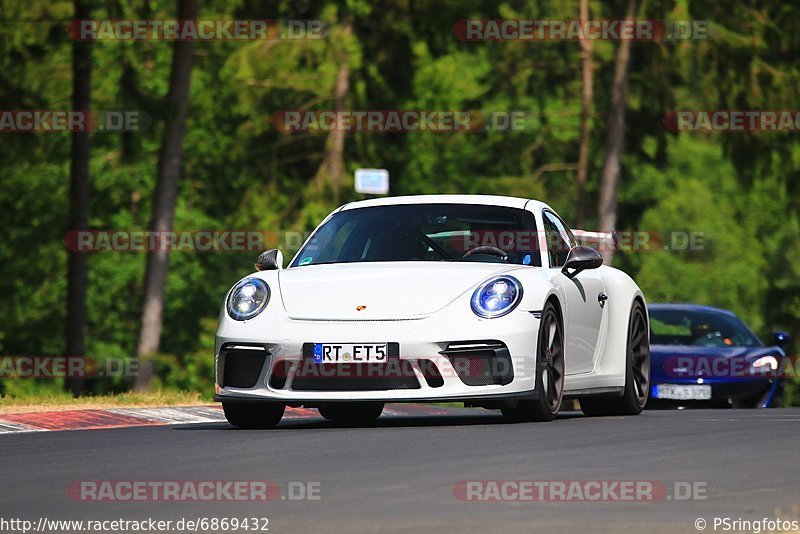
(351, 352)
(683, 392)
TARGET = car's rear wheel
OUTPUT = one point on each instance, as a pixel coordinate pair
(253, 414)
(549, 372)
(352, 413)
(637, 372)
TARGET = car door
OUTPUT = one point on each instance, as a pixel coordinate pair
(585, 299)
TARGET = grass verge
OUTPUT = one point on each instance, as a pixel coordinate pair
(58, 401)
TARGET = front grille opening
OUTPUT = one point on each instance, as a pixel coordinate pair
(397, 374)
(241, 366)
(279, 374)
(480, 363)
(466, 346)
(431, 373)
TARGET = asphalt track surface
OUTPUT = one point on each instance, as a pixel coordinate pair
(398, 475)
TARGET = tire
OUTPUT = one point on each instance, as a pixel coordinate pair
(352, 413)
(637, 372)
(549, 372)
(253, 414)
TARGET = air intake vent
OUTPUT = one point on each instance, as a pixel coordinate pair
(279, 375)
(431, 373)
(480, 363)
(398, 374)
(242, 365)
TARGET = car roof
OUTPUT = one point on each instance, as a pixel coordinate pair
(688, 307)
(485, 200)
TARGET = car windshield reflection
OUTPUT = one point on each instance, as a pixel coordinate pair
(425, 232)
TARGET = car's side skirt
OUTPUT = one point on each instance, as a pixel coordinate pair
(595, 392)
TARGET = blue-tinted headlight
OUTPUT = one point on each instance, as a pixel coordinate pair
(247, 299)
(496, 297)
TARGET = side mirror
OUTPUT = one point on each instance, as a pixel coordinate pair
(270, 260)
(581, 258)
(781, 339)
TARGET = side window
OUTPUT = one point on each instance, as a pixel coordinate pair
(559, 239)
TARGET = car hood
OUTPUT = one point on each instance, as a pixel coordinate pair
(383, 290)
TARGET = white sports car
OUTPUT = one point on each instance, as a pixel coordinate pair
(484, 300)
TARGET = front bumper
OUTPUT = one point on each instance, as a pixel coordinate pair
(272, 366)
(725, 391)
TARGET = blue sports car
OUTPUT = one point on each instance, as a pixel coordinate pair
(703, 356)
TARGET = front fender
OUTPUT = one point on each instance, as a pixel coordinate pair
(622, 292)
(537, 287)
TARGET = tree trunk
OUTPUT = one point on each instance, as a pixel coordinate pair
(166, 193)
(615, 134)
(586, 115)
(79, 193)
(333, 164)
(337, 140)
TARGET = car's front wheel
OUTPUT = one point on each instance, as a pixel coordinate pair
(352, 413)
(253, 414)
(549, 372)
(637, 372)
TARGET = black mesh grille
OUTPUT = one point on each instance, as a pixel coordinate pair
(431, 373)
(480, 363)
(398, 374)
(241, 367)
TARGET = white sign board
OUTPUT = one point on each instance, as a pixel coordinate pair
(372, 181)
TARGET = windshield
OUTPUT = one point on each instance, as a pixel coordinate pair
(425, 232)
(699, 329)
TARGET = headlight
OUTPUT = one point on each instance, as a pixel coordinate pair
(496, 297)
(247, 299)
(768, 362)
